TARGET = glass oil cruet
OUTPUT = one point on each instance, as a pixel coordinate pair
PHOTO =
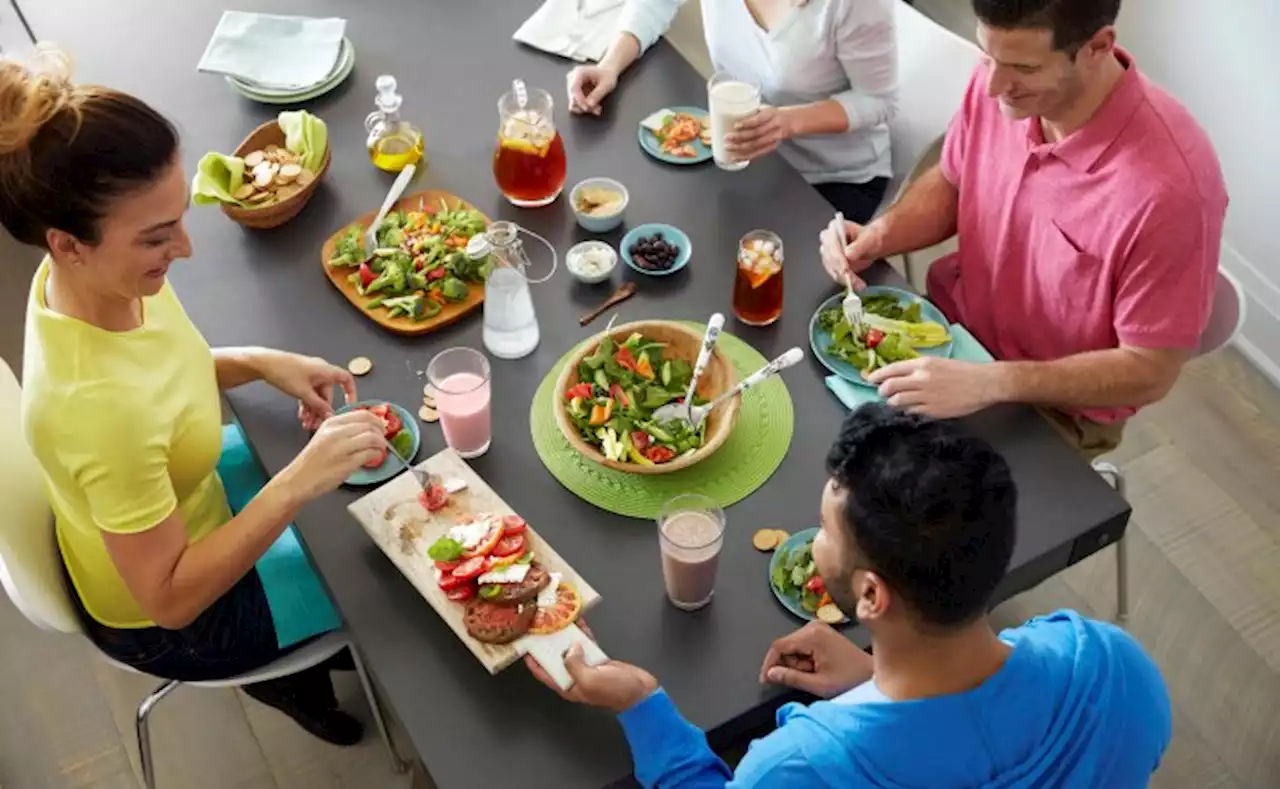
(510, 323)
(393, 143)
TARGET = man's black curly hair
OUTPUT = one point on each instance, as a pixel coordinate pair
(1072, 22)
(930, 509)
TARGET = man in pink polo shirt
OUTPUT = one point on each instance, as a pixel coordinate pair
(1089, 207)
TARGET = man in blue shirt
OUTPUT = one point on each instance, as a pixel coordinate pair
(917, 532)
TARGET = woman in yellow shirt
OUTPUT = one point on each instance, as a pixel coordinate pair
(121, 399)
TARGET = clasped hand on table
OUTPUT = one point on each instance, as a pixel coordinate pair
(816, 659)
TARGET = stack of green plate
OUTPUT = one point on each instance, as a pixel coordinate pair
(341, 70)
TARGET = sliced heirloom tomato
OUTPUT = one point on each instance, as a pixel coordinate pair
(513, 524)
(485, 546)
(434, 497)
(510, 545)
(461, 594)
(473, 567)
(448, 581)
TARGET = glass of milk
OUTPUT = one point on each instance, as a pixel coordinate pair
(729, 99)
(691, 532)
(461, 380)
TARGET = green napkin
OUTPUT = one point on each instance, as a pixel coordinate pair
(305, 135)
(964, 347)
(217, 179)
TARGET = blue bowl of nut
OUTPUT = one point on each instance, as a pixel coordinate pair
(656, 249)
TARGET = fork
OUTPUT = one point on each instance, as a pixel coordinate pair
(852, 304)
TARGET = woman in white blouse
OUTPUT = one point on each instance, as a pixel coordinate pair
(828, 74)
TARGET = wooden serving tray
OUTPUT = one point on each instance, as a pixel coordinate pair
(405, 537)
(400, 325)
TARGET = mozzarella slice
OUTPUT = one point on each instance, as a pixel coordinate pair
(654, 122)
(547, 597)
(512, 574)
(469, 535)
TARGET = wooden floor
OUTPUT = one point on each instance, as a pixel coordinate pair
(1204, 550)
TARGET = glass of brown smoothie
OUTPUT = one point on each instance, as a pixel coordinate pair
(691, 532)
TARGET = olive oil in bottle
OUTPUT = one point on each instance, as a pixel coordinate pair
(393, 143)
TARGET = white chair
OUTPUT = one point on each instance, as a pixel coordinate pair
(32, 575)
(1226, 318)
(934, 67)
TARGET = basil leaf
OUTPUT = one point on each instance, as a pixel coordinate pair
(445, 550)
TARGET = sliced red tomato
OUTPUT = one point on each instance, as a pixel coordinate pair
(366, 275)
(471, 568)
(513, 524)
(624, 358)
(447, 567)
(513, 544)
(379, 460)
(448, 581)
(461, 594)
(659, 454)
(641, 440)
(816, 585)
(393, 423)
(485, 546)
(434, 497)
(583, 390)
(874, 337)
(436, 273)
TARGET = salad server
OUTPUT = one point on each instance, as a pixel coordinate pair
(369, 243)
(709, 339)
(698, 413)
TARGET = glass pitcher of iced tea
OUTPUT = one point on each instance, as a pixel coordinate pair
(757, 286)
(529, 161)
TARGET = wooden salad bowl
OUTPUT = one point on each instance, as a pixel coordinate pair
(449, 313)
(682, 343)
(277, 213)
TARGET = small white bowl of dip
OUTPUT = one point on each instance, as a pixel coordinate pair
(591, 262)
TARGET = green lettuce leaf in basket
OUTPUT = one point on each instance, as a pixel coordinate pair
(217, 179)
(305, 135)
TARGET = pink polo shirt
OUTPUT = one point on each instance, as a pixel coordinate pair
(1107, 238)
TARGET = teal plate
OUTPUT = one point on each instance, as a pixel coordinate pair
(652, 146)
(793, 543)
(820, 340)
(389, 467)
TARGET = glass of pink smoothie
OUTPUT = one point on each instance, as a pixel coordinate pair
(461, 380)
(691, 531)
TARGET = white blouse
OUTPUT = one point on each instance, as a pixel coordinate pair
(822, 49)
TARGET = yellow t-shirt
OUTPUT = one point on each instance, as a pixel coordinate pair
(127, 427)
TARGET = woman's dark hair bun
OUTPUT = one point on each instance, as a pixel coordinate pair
(67, 150)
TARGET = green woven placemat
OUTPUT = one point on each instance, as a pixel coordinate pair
(743, 463)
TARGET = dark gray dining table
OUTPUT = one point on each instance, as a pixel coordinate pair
(453, 59)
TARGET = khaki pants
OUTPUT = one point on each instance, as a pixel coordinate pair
(1090, 438)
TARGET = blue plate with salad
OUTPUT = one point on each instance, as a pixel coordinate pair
(897, 325)
(677, 135)
(402, 434)
(794, 579)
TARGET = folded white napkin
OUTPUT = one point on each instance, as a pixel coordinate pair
(580, 30)
(274, 51)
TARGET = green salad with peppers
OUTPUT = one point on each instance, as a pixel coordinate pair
(420, 263)
(891, 332)
(619, 387)
(795, 575)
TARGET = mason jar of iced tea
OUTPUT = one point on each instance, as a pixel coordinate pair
(529, 159)
(757, 286)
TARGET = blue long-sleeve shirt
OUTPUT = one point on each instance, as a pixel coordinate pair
(1078, 704)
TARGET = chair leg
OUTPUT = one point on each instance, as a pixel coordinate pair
(144, 731)
(1115, 478)
(398, 765)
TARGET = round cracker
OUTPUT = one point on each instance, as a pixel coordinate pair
(360, 365)
(831, 614)
(428, 414)
(783, 535)
(765, 540)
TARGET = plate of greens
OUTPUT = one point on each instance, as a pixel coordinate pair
(402, 435)
(420, 278)
(794, 579)
(897, 325)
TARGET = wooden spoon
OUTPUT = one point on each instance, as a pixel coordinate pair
(624, 292)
